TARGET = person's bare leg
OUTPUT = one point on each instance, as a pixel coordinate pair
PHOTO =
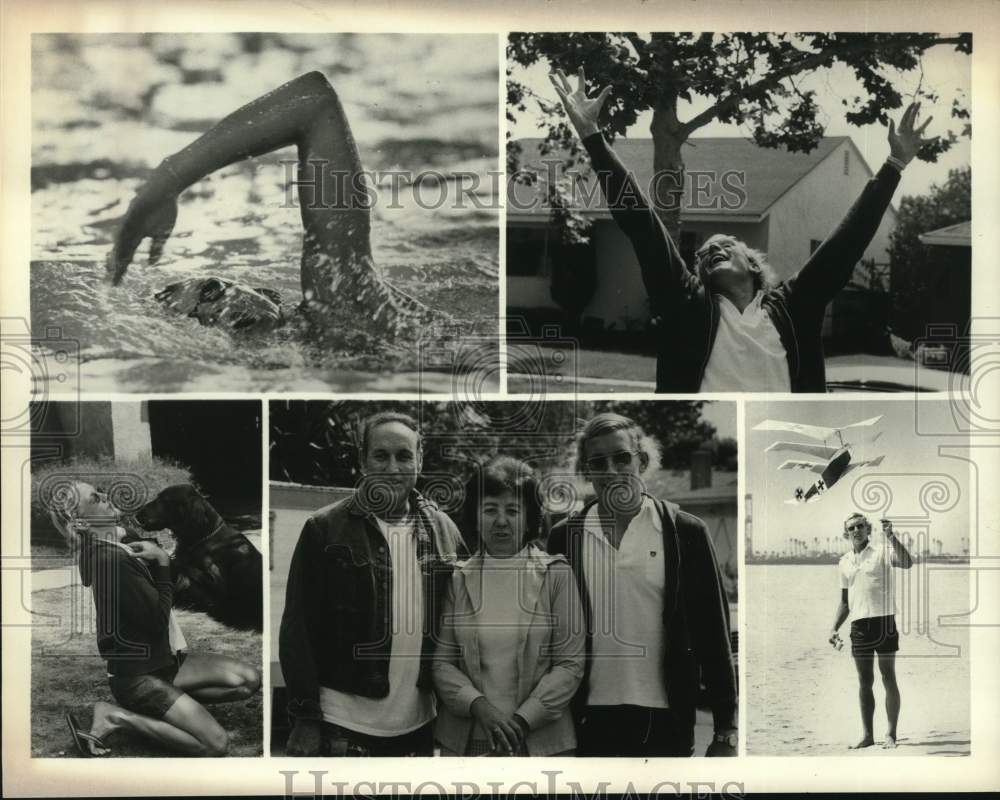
(217, 679)
(186, 727)
(887, 667)
(866, 678)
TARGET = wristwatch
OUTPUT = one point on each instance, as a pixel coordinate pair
(732, 739)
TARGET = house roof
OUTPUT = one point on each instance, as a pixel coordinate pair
(769, 173)
(958, 235)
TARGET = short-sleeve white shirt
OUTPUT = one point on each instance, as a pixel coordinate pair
(867, 576)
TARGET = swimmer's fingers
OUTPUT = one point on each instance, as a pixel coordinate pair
(121, 254)
(161, 233)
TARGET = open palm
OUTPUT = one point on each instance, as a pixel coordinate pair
(905, 141)
(583, 111)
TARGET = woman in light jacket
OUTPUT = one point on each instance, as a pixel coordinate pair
(511, 651)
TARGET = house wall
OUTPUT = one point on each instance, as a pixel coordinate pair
(814, 207)
(620, 300)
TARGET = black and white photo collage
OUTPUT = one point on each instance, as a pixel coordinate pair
(425, 386)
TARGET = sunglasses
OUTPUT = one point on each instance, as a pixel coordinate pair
(857, 527)
(619, 460)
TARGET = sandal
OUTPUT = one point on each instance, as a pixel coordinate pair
(80, 739)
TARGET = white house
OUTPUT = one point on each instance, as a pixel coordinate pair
(782, 203)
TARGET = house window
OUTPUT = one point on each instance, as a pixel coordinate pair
(847, 162)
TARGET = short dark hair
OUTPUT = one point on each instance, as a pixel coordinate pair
(368, 424)
(499, 475)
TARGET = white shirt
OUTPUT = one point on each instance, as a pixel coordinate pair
(626, 589)
(406, 707)
(748, 355)
(867, 576)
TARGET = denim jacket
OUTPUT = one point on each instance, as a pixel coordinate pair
(336, 626)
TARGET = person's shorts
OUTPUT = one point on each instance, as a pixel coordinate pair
(151, 694)
(874, 635)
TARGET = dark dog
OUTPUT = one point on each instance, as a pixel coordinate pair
(216, 568)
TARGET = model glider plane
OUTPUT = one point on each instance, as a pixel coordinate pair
(831, 460)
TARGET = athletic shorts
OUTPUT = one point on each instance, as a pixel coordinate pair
(151, 694)
(874, 635)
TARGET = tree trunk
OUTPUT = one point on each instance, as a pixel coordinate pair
(667, 190)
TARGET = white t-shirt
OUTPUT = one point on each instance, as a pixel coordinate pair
(867, 576)
(626, 587)
(748, 355)
(406, 707)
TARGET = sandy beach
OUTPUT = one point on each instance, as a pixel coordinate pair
(802, 694)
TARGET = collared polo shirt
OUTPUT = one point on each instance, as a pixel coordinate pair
(867, 576)
(626, 588)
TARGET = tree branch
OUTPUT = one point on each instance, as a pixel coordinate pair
(812, 61)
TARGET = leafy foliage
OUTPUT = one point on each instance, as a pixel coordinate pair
(749, 79)
(315, 442)
(947, 204)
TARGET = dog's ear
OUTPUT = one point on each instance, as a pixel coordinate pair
(203, 516)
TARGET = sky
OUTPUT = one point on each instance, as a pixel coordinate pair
(944, 71)
(912, 460)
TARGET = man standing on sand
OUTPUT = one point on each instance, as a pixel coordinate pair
(866, 594)
(362, 609)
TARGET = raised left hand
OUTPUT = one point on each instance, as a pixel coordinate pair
(907, 140)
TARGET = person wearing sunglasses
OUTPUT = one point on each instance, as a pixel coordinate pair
(867, 595)
(655, 615)
(725, 324)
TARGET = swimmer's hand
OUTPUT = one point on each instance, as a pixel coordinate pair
(836, 641)
(152, 213)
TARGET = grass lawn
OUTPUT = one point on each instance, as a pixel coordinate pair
(67, 674)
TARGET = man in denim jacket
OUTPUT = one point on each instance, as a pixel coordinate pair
(362, 608)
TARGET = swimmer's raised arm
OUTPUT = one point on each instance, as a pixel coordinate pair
(305, 112)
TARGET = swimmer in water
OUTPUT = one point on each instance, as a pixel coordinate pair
(339, 279)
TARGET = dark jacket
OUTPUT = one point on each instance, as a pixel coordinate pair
(689, 313)
(695, 615)
(133, 599)
(336, 626)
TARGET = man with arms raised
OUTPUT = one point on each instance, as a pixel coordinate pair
(726, 325)
(365, 591)
(866, 595)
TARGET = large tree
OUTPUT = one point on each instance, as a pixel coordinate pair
(909, 259)
(750, 79)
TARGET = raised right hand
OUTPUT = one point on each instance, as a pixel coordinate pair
(583, 111)
(152, 213)
(304, 740)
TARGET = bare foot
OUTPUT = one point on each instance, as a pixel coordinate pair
(890, 742)
(103, 723)
(867, 741)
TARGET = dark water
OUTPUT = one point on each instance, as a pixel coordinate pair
(106, 109)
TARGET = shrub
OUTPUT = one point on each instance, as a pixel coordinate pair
(129, 483)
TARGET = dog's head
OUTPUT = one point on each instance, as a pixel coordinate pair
(187, 514)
